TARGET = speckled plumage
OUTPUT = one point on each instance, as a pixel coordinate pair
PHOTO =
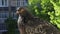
(34, 25)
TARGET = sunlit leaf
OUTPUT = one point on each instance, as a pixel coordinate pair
(58, 25)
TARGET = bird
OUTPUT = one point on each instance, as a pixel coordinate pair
(26, 19)
(23, 17)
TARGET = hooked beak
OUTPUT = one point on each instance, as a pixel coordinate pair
(17, 12)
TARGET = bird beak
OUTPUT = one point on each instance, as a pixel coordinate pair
(17, 12)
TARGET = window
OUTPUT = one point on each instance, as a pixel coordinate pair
(25, 2)
(22, 3)
(4, 15)
(13, 14)
(4, 2)
(18, 2)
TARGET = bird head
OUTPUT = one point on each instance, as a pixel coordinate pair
(21, 11)
(24, 13)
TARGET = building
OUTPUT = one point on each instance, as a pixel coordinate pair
(9, 5)
(4, 7)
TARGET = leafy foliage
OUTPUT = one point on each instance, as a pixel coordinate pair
(55, 16)
(38, 8)
(45, 9)
(11, 25)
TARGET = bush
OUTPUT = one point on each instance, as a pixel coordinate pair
(46, 9)
(11, 25)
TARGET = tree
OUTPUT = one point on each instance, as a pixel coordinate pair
(55, 16)
(45, 9)
(41, 8)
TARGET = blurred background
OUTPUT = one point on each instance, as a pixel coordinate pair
(47, 9)
(8, 16)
